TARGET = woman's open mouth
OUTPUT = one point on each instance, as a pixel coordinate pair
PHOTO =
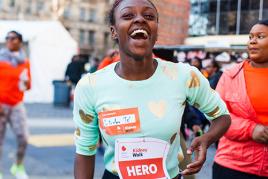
(139, 34)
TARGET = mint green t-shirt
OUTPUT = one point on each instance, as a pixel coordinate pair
(160, 101)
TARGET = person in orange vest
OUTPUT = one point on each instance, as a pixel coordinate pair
(15, 79)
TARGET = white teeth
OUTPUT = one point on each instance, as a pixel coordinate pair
(139, 31)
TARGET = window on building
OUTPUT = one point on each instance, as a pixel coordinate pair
(28, 9)
(265, 4)
(252, 17)
(67, 13)
(91, 37)
(250, 12)
(228, 16)
(11, 3)
(82, 14)
(265, 10)
(92, 15)
(82, 37)
(39, 6)
(250, 4)
(106, 39)
(106, 18)
(212, 17)
(198, 18)
(213, 6)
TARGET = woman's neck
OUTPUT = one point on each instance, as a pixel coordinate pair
(136, 70)
(259, 65)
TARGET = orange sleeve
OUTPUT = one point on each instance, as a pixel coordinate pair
(116, 58)
(105, 62)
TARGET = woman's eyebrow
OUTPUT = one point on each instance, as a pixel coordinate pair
(129, 7)
(258, 32)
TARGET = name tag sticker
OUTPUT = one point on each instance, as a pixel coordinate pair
(119, 122)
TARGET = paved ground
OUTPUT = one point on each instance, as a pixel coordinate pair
(51, 152)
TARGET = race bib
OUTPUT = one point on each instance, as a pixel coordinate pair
(119, 122)
(141, 158)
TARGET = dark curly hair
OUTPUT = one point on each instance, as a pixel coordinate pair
(116, 3)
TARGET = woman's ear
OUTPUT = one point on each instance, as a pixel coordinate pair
(114, 33)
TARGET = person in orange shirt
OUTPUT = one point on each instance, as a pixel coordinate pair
(243, 150)
(112, 56)
(15, 79)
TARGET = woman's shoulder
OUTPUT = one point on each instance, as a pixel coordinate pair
(183, 66)
(84, 82)
(97, 79)
(234, 69)
(179, 71)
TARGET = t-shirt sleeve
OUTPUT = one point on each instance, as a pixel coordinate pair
(85, 118)
(202, 96)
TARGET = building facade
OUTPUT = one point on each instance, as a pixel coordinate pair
(86, 19)
(222, 17)
(173, 22)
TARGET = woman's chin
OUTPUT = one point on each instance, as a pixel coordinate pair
(140, 53)
(255, 58)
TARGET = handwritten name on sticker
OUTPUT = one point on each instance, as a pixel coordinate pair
(119, 122)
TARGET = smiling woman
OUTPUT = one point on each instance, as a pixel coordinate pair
(136, 33)
(127, 103)
(243, 88)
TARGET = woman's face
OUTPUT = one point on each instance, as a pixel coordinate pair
(258, 43)
(136, 25)
(210, 69)
(12, 42)
(195, 63)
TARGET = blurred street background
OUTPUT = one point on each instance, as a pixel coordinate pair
(64, 39)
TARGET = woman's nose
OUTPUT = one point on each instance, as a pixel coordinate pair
(253, 40)
(139, 18)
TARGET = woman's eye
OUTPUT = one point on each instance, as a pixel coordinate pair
(260, 36)
(150, 17)
(127, 16)
(250, 37)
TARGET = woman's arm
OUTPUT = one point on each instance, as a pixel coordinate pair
(84, 167)
(200, 144)
(241, 129)
(87, 130)
(209, 102)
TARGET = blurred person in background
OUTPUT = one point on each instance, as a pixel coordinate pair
(214, 73)
(197, 62)
(15, 79)
(74, 70)
(111, 57)
(198, 129)
(94, 65)
(243, 151)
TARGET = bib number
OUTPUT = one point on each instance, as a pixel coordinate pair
(141, 158)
